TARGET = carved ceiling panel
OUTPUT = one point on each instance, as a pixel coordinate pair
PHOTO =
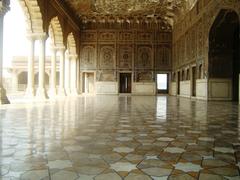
(130, 11)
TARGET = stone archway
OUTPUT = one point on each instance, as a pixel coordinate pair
(223, 62)
(73, 64)
(22, 81)
(56, 36)
(33, 16)
(71, 44)
(56, 33)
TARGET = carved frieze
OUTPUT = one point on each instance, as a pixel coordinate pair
(125, 36)
(88, 36)
(144, 36)
(107, 36)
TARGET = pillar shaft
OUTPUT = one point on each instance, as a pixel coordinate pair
(30, 85)
(41, 92)
(67, 74)
(74, 90)
(3, 97)
(53, 89)
(61, 73)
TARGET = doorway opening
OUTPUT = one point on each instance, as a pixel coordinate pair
(178, 83)
(125, 82)
(194, 79)
(162, 83)
(224, 50)
(88, 83)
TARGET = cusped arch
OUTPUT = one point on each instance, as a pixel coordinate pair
(55, 32)
(33, 16)
(71, 44)
(216, 13)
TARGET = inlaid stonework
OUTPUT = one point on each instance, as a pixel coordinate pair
(107, 57)
(88, 57)
(106, 75)
(125, 56)
(144, 57)
(144, 76)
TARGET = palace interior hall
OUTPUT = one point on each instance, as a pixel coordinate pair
(120, 90)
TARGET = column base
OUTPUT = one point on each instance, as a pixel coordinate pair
(52, 93)
(41, 94)
(74, 92)
(3, 96)
(30, 93)
(61, 92)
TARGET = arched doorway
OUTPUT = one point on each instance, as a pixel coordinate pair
(22, 81)
(224, 67)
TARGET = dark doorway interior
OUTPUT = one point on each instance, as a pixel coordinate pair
(178, 82)
(125, 82)
(194, 81)
(224, 49)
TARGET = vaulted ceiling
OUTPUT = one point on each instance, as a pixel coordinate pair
(131, 11)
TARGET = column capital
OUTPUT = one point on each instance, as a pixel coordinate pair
(42, 36)
(61, 49)
(37, 36)
(73, 56)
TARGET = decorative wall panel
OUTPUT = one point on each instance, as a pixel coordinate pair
(144, 57)
(144, 76)
(106, 76)
(163, 56)
(107, 57)
(125, 56)
(88, 57)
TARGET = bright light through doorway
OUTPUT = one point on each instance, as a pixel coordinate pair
(14, 39)
(15, 42)
(162, 81)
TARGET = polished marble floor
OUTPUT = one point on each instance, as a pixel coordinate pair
(120, 137)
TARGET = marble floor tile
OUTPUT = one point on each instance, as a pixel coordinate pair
(112, 176)
(119, 137)
(135, 176)
(188, 167)
(123, 166)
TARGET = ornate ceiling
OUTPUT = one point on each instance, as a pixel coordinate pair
(130, 11)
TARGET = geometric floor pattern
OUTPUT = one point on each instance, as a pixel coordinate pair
(120, 137)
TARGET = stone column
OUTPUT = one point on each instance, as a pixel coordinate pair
(74, 78)
(30, 92)
(53, 84)
(67, 74)
(61, 91)
(3, 9)
(41, 91)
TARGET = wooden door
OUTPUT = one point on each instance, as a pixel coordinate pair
(125, 82)
(194, 78)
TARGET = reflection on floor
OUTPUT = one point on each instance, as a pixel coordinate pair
(112, 137)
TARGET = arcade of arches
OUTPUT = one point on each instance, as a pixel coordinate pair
(115, 51)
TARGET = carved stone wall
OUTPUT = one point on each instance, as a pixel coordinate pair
(109, 52)
(191, 34)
